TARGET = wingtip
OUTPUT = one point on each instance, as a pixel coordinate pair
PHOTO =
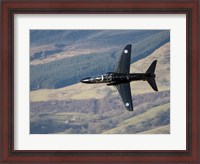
(127, 49)
(129, 106)
(130, 109)
(127, 46)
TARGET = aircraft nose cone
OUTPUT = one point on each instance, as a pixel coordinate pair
(85, 80)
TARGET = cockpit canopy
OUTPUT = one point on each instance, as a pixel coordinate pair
(101, 78)
(97, 79)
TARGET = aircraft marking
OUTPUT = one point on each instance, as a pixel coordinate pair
(125, 51)
(121, 77)
(127, 104)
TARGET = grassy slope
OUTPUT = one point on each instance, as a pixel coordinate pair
(69, 70)
(109, 117)
(135, 123)
(165, 129)
(83, 91)
(82, 42)
(66, 117)
(162, 71)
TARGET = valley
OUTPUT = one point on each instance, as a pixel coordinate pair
(97, 109)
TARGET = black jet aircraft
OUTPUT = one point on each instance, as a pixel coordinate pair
(122, 77)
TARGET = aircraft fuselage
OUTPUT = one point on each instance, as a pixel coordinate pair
(121, 77)
(117, 78)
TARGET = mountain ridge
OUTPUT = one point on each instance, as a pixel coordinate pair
(97, 109)
(67, 71)
(101, 90)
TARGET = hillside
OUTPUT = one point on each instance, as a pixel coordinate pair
(94, 109)
(50, 45)
(99, 91)
(56, 64)
(145, 121)
(105, 115)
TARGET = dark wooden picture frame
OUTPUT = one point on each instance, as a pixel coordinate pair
(10, 8)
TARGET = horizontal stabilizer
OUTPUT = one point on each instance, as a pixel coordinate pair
(152, 83)
(151, 71)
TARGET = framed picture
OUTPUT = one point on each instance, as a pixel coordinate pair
(92, 81)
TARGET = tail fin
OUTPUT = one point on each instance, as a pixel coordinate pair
(151, 80)
(152, 67)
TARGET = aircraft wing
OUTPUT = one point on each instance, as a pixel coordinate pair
(123, 65)
(124, 90)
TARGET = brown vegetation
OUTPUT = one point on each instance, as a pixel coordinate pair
(99, 116)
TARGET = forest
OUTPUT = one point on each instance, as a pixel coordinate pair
(104, 116)
(67, 71)
(59, 104)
